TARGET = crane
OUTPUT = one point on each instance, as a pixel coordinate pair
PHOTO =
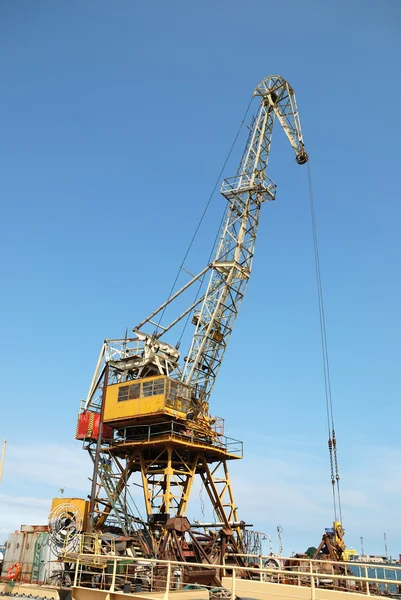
(147, 408)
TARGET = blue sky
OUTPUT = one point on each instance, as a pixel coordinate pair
(115, 121)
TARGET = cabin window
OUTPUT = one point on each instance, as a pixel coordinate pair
(134, 391)
(158, 387)
(123, 393)
(129, 392)
(177, 390)
(152, 388)
(141, 390)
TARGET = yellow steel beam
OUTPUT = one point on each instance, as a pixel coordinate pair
(223, 498)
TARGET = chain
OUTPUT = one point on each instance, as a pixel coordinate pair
(331, 461)
(333, 479)
(337, 474)
(335, 457)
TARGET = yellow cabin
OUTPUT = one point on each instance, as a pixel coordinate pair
(139, 400)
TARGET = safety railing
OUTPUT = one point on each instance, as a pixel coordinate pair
(173, 430)
(249, 183)
(383, 578)
(152, 575)
(88, 544)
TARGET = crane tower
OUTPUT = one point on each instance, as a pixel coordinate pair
(146, 419)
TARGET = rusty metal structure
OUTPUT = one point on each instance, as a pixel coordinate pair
(146, 421)
(332, 545)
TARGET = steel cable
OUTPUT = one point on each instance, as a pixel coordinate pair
(332, 442)
(201, 221)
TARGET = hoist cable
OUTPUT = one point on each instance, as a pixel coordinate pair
(210, 255)
(204, 214)
(327, 384)
(332, 442)
(201, 281)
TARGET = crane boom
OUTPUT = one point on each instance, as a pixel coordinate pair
(216, 310)
(232, 264)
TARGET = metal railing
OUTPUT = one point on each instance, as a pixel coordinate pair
(173, 430)
(150, 575)
(382, 578)
(245, 182)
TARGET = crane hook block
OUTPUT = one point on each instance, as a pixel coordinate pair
(302, 157)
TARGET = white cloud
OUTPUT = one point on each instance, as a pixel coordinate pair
(50, 464)
(270, 487)
(33, 475)
(19, 510)
(292, 487)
